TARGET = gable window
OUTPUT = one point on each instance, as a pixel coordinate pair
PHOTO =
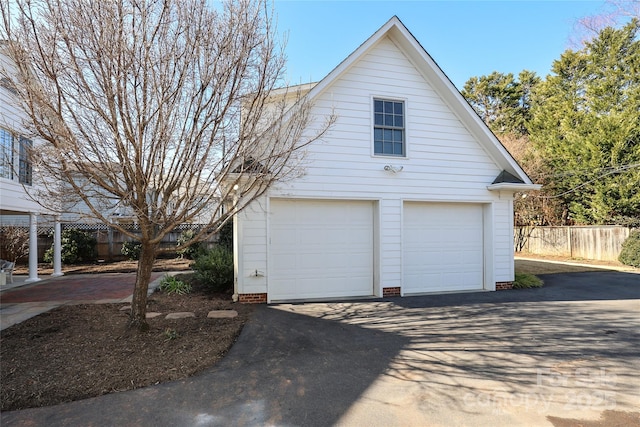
(388, 128)
(6, 154)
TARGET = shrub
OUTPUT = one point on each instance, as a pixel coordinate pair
(193, 250)
(630, 253)
(225, 236)
(171, 285)
(131, 250)
(15, 242)
(214, 269)
(77, 247)
(526, 281)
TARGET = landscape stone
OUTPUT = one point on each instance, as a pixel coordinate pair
(180, 315)
(222, 314)
(152, 314)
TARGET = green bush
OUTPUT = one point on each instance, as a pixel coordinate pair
(172, 285)
(76, 247)
(225, 236)
(526, 281)
(131, 250)
(630, 253)
(214, 269)
(193, 250)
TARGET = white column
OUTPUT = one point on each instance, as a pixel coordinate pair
(57, 249)
(33, 248)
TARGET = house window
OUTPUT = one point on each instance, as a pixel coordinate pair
(6, 154)
(22, 147)
(388, 128)
(24, 161)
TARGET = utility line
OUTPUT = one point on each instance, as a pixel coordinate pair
(612, 172)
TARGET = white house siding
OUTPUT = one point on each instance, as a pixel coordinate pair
(250, 230)
(503, 238)
(14, 200)
(12, 193)
(444, 162)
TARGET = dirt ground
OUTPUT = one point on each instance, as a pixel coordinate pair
(80, 351)
(556, 266)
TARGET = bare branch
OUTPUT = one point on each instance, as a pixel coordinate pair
(137, 106)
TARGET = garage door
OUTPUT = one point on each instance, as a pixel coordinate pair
(442, 247)
(320, 249)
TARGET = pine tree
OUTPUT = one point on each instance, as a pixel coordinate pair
(586, 124)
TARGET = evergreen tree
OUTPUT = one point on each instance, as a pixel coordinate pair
(586, 125)
(501, 101)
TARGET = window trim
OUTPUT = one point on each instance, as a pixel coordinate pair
(20, 165)
(25, 165)
(405, 144)
(11, 152)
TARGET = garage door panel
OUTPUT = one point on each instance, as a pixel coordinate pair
(320, 249)
(442, 247)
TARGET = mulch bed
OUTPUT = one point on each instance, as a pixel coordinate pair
(80, 351)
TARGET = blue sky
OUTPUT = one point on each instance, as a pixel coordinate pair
(466, 38)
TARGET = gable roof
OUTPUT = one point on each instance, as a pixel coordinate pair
(400, 35)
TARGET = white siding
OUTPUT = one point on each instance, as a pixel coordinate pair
(391, 243)
(503, 238)
(444, 163)
(12, 193)
(251, 225)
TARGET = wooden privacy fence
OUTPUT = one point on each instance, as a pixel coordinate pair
(603, 242)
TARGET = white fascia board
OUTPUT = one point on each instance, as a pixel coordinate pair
(509, 186)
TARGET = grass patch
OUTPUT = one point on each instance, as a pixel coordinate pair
(526, 281)
(172, 285)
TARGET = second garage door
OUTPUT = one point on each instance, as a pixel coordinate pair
(442, 247)
(320, 249)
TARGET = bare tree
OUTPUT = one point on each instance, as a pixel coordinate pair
(15, 242)
(531, 208)
(613, 13)
(139, 102)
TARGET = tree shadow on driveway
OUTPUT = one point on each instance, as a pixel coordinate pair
(570, 349)
(286, 369)
(521, 357)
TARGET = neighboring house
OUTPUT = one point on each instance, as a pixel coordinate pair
(112, 208)
(16, 171)
(408, 193)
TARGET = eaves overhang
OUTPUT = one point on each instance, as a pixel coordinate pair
(510, 186)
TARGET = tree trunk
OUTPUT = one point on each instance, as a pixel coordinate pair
(143, 276)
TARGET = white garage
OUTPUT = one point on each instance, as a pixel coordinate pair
(408, 192)
(320, 249)
(442, 247)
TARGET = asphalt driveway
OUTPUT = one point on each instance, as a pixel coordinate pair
(568, 351)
